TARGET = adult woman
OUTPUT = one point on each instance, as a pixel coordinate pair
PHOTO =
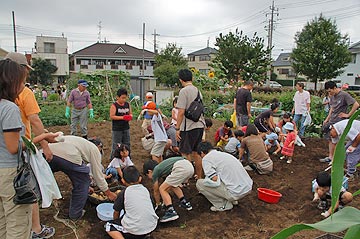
(254, 145)
(15, 220)
(264, 122)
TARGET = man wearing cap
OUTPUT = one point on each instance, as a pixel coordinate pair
(30, 110)
(80, 98)
(71, 157)
(339, 104)
(352, 147)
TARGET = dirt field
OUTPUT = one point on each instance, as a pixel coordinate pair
(252, 218)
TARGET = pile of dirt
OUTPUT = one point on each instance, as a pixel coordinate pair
(252, 218)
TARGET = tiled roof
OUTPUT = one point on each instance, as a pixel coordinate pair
(280, 62)
(205, 51)
(113, 50)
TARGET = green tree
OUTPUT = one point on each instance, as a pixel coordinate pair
(168, 63)
(240, 56)
(42, 73)
(321, 51)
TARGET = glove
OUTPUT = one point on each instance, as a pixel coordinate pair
(67, 112)
(275, 153)
(325, 214)
(127, 117)
(91, 113)
(350, 149)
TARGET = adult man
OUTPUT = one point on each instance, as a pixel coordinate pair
(175, 170)
(301, 107)
(242, 104)
(29, 110)
(339, 103)
(71, 157)
(226, 180)
(352, 147)
(188, 132)
(80, 98)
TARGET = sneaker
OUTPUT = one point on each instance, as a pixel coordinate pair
(170, 215)
(248, 168)
(289, 161)
(46, 232)
(325, 160)
(220, 209)
(185, 205)
(282, 157)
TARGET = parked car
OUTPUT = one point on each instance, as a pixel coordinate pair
(355, 88)
(274, 84)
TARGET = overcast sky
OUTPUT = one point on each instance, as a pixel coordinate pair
(189, 23)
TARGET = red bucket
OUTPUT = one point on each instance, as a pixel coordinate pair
(268, 195)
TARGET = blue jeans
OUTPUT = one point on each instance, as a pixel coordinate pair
(301, 127)
(119, 137)
(80, 179)
(113, 171)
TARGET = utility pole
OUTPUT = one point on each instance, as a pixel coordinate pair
(99, 32)
(155, 45)
(273, 11)
(14, 30)
(143, 51)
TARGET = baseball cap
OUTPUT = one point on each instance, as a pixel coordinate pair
(150, 106)
(18, 58)
(83, 83)
(149, 95)
(272, 136)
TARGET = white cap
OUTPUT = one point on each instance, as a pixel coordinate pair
(149, 95)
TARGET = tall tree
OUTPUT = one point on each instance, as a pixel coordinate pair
(168, 63)
(241, 57)
(42, 73)
(321, 51)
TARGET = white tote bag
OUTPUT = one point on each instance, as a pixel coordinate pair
(45, 177)
(307, 120)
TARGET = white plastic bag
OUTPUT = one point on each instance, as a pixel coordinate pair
(47, 183)
(307, 119)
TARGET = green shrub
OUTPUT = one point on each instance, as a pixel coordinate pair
(53, 97)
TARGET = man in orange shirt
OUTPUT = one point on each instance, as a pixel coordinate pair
(29, 110)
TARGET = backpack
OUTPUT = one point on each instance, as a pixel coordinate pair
(196, 109)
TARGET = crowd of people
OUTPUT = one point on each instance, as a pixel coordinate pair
(178, 151)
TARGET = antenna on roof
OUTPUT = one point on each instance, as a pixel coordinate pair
(99, 32)
(208, 42)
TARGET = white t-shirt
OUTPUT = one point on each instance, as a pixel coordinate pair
(158, 129)
(118, 163)
(233, 145)
(300, 101)
(353, 132)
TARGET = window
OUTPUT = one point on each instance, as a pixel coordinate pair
(350, 74)
(49, 47)
(204, 71)
(53, 61)
(191, 58)
(284, 71)
(204, 58)
(285, 58)
(353, 58)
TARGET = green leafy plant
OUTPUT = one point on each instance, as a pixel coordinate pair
(347, 218)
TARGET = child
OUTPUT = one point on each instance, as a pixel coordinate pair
(175, 170)
(174, 112)
(208, 124)
(160, 137)
(223, 134)
(44, 94)
(271, 143)
(120, 114)
(139, 218)
(282, 134)
(323, 191)
(147, 117)
(289, 145)
(120, 161)
(233, 146)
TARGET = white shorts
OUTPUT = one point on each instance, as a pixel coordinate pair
(180, 173)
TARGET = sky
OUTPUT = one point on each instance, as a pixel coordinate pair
(191, 24)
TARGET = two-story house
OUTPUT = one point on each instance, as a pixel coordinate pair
(110, 56)
(351, 74)
(282, 67)
(200, 59)
(55, 50)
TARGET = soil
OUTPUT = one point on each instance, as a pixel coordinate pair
(252, 218)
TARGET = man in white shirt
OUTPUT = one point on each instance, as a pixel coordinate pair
(226, 180)
(301, 106)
